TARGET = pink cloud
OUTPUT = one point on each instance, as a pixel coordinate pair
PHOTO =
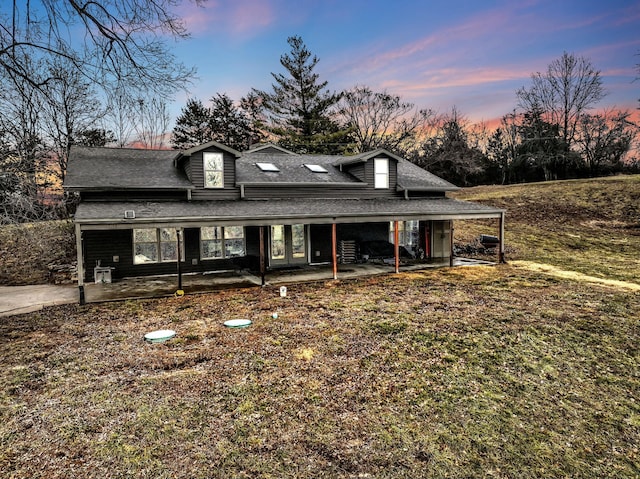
(241, 17)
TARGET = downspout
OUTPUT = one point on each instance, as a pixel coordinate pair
(80, 267)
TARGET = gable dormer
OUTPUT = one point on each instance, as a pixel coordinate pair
(212, 170)
(378, 168)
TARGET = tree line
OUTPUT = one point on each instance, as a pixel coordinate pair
(101, 73)
(552, 134)
(79, 73)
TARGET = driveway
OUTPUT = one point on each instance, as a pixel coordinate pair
(25, 299)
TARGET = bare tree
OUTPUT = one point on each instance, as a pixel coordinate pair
(107, 41)
(569, 87)
(22, 154)
(152, 123)
(70, 106)
(380, 119)
(604, 139)
(120, 114)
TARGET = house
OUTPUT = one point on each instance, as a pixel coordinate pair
(212, 208)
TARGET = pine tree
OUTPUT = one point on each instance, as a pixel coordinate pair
(193, 126)
(300, 109)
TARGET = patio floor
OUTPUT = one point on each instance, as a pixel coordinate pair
(167, 285)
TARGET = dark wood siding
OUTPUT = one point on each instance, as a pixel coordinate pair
(320, 242)
(104, 245)
(196, 166)
(139, 195)
(320, 191)
(363, 232)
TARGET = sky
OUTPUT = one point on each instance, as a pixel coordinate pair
(437, 54)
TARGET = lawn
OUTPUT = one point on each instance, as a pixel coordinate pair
(507, 371)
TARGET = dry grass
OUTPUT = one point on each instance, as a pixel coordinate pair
(505, 372)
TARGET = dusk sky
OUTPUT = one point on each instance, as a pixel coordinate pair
(437, 54)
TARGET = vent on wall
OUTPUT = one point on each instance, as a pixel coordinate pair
(129, 214)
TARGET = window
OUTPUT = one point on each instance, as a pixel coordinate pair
(408, 234)
(155, 245)
(316, 168)
(217, 242)
(381, 173)
(269, 167)
(277, 242)
(213, 170)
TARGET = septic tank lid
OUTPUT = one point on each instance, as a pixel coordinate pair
(237, 323)
(159, 336)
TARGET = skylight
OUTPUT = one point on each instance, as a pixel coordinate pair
(267, 167)
(316, 168)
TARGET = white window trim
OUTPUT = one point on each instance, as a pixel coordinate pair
(158, 244)
(381, 173)
(224, 245)
(205, 169)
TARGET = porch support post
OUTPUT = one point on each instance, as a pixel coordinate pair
(451, 243)
(396, 245)
(80, 267)
(179, 266)
(501, 249)
(262, 262)
(334, 250)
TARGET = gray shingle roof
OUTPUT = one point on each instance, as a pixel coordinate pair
(292, 169)
(123, 168)
(282, 211)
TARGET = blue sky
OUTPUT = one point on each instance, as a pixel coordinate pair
(437, 54)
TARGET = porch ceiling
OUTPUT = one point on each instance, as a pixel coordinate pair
(254, 212)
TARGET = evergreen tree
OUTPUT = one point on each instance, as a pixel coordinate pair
(229, 124)
(300, 109)
(193, 126)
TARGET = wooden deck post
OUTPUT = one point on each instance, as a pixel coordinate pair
(396, 245)
(334, 250)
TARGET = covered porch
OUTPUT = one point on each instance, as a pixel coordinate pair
(274, 242)
(195, 283)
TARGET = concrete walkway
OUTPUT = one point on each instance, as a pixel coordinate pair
(25, 299)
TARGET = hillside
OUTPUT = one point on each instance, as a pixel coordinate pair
(524, 370)
(590, 226)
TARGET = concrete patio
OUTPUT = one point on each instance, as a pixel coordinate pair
(162, 286)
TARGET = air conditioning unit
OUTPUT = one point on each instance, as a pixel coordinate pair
(129, 214)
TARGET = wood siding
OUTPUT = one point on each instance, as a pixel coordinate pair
(196, 168)
(265, 192)
(104, 245)
(139, 195)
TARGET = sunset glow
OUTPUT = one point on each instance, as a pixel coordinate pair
(436, 54)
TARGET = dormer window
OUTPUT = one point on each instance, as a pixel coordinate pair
(381, 173)
(268, 167)
(213, 170)
(316, 168)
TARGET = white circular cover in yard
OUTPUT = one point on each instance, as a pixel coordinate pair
(237, 323)
(159, 336)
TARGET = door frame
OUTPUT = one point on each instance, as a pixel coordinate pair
(289, 259)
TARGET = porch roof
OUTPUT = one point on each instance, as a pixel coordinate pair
(109, 215)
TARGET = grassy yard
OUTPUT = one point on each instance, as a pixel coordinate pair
(512, 371)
